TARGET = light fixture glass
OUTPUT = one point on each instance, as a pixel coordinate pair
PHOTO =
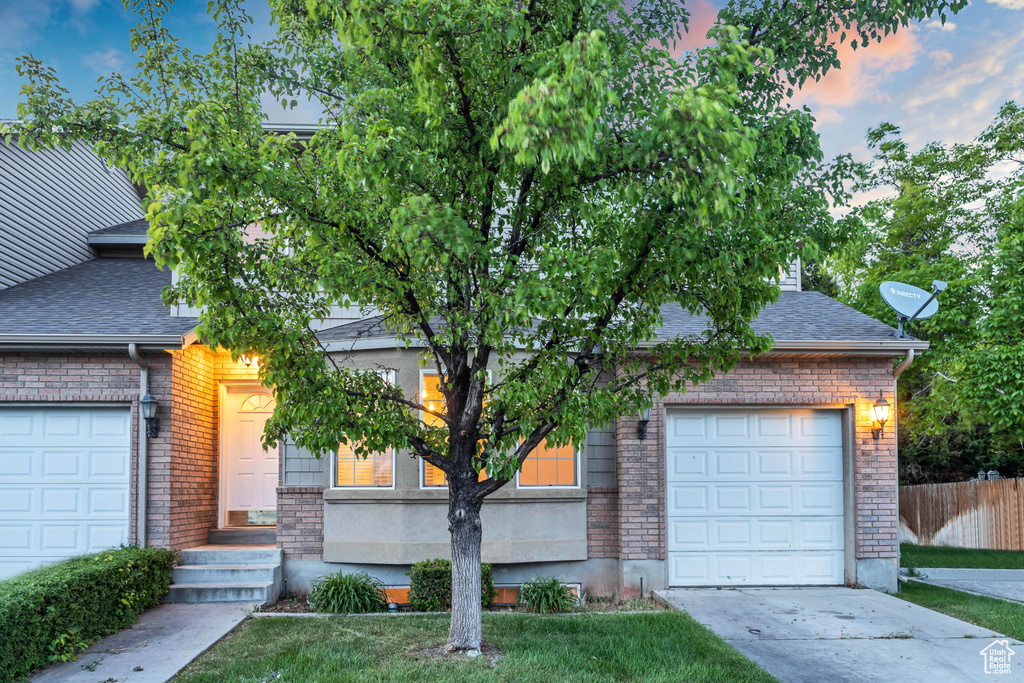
(643, 421)
(881, 410)
(148, 407)
(248, 359)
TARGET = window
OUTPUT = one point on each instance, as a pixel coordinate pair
(549, 466)
(433, 399)
(373, 471)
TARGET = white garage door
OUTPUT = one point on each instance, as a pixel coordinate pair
(64, 483)
(755, 498)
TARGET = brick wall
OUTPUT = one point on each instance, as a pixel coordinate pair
(603, 521)
(102, 378)
(300, 522)
(194, 483)
(857, 382)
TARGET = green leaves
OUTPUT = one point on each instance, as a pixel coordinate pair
(524, 189)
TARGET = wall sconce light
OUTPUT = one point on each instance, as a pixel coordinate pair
(249, 358)
(644, 415)
(881, 414)
(148, 404)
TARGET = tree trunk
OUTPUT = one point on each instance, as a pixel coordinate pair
(465, 633)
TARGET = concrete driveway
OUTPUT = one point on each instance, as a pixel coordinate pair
(842, 634)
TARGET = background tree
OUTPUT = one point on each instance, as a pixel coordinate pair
(494, 178)
(949, 213)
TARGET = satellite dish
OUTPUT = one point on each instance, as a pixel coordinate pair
(910, 302)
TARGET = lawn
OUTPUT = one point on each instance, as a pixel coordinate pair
(959, 558)
(657, 646)
(998, 615)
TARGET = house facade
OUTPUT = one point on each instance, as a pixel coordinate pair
(773, 474)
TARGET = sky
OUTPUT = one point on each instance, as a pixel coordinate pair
(937, 82)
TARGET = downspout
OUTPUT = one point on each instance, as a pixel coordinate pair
(904, 365)
(897, 371)
(141, 489)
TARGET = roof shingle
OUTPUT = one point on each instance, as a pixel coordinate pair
(101, 296)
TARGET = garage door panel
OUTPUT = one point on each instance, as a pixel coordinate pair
(688, 499)
(687, 464)
(774, 426)
(731, 464)
(102, 536)
(15, 464)
(823, 463)
(689, 427)
(747, 569)
(732, 426)
(64, 483)
(773, 464)
(755, 498)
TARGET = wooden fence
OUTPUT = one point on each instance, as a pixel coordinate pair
(969, 514)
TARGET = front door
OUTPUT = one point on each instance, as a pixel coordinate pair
(249, 471)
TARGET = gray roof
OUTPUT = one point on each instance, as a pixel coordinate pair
(130, 234)
(101, 296)
(365, 328)
(136, 227)
(796, 316)
(803, 316)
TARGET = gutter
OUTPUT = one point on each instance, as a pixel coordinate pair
(882, 348)
(90, 341)
(141, 493)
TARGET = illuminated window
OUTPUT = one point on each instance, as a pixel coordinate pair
(351, 470)
(549, 466)
(433, 399)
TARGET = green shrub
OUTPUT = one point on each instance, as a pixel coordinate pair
(346, 593)
(547, 596)
(48, 614)
(430, 585)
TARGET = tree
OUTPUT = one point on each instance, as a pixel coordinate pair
(952, 213)
(517, 186)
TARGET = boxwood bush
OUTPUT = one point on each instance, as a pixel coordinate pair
(48, 614)
(430, 585)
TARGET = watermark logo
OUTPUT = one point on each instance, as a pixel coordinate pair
(997, 657)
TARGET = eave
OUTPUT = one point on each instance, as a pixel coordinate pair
(93, 342)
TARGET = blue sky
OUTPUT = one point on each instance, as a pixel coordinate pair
(937, 83)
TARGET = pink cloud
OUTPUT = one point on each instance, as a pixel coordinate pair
(941, 57)
(862, 71)
(702, 17)
(826, 115)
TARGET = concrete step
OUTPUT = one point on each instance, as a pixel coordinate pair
(242, 536)
(232, 555)
(226, 573)
(256, 593)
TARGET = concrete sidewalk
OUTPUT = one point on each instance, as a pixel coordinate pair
(1007, 584)
(161, 644)
(842, 635)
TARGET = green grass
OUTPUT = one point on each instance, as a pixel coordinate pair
(998, 615)
(959, 558)
(658, 646)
